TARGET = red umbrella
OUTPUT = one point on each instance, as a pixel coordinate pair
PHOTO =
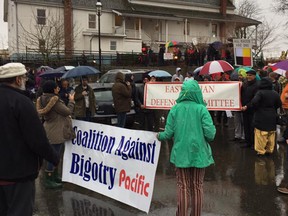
(216, 67)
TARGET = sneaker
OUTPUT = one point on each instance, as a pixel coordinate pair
(283, 190)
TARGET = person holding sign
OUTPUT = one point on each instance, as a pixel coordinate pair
(191, 126)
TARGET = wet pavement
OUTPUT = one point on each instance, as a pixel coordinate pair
(238, 184)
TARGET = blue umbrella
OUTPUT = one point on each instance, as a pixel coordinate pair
(51, 73)
(159, 73)
(80, 71)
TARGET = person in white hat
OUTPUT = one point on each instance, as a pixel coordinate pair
(23, 143)
(177, 75)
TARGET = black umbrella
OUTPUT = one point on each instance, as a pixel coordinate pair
(51, 73)
(81, 71)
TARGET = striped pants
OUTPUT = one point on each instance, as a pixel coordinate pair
(190, 189)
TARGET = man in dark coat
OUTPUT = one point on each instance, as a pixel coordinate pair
(146, 115)
(122, 93)
(23, 143)
(85, 101)
(248, 91)
(265, 103)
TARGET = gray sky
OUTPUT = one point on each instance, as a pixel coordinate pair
(273, 50)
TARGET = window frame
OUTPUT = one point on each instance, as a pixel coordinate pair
(92, 21)
(113, 45)
(41, 20)
(214, 31)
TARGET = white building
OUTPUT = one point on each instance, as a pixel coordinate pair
(125, 24)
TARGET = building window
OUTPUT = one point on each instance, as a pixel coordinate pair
(42, 45)
(214, 30)
(92, 21)
(113, 45)
(118, 20)
(41, 16)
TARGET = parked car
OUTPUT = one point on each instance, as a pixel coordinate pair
(138, 74)
(105, 112)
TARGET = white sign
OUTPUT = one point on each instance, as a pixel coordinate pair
(168, 56)
(243, 52)
(242, 43)
(115, 162)
(217, 95)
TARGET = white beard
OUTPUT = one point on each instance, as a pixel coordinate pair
(23, 87)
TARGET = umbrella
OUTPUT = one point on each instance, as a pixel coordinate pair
(171, 43)
(243, 70)
(80, 71)
(159, 73)
(273, 68)
(282, 65)
(64, 68)
(216, 67)
(45, 67)
(51, 73)
(197, 70)
(217, 44)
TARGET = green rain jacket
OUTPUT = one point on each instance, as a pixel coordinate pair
(191, 125)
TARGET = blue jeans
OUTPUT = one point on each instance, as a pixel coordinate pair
(121, 119)
(57, 147)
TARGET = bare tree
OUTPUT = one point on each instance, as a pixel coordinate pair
(249, 9)
(265, 36)
(45, 38)
(281, 6)
(265, 31)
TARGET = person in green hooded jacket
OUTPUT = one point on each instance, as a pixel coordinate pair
(191, 126)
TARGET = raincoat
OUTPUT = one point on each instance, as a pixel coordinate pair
(191, 125)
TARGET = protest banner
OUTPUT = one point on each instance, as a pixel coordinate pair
(115, 162)
(217, 95)
(243, 52)
(78, 204)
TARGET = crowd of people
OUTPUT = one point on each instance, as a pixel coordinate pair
(263, 96)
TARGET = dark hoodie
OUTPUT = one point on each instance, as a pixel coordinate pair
(265, 103)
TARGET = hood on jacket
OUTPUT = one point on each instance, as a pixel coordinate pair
(266, 83)
(191, 91)
(45, 103)
(119, 77)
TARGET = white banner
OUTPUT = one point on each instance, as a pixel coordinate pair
(115, 162)
(217, 95)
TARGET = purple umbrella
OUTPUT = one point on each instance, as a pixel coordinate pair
(217, 44)
(282, 65)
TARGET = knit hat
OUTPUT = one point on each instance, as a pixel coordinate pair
(251, 72)
(12, 70)
(49, 86)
